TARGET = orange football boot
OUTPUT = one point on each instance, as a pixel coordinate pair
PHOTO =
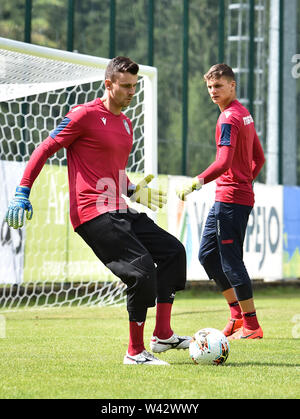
(243, 333)
(232, 326)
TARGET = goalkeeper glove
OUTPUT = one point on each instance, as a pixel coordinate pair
(149, 197)
(15, 213)
(192, 185)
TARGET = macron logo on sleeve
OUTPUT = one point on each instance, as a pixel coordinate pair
(60, 127)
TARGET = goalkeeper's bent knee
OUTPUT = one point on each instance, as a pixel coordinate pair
(140, 278)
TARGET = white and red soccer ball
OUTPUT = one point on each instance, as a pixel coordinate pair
(209, 346)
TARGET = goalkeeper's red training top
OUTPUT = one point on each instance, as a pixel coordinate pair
(98, 144)
(239, 157)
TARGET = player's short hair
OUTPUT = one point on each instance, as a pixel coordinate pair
(120, 65)
(219, 70)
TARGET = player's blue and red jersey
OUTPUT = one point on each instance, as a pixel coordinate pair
(239, 156)
(98, 144)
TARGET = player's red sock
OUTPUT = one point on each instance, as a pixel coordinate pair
(235, 310)
(163, 321)
(136, 338)
(250, 321)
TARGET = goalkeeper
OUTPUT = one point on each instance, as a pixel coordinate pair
(239, 160)
(151, 262)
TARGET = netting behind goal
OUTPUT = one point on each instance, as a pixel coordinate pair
(46, 263)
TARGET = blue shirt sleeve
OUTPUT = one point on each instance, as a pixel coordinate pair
(225, 134)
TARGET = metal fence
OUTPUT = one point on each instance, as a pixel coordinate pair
(183, 38)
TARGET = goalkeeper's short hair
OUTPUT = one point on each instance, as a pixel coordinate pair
(120, 64)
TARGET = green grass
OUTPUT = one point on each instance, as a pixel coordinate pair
(78, 353)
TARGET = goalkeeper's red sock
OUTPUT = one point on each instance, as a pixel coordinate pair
(163, 321)
(136, 338)
(235, 310)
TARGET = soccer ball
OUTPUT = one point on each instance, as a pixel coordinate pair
(209, 346)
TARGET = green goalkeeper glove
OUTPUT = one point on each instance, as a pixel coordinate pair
(151, 198)
(15, 212)
(192, 185)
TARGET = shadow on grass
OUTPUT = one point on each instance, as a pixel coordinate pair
(239, 364)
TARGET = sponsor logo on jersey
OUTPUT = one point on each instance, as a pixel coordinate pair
(248, 120)
(227, 113)
(103, 120)
(126, 126)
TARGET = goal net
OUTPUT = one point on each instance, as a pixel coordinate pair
(45, 263)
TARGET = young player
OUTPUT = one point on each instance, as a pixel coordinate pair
(239, 159)
(151, 262)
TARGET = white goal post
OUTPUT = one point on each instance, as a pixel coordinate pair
(45, 264)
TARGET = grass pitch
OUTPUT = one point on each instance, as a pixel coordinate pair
(77, 353)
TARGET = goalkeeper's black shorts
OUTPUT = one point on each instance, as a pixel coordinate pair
(149, 260)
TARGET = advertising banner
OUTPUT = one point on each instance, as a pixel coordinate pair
(291, 232)
(54, 252)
